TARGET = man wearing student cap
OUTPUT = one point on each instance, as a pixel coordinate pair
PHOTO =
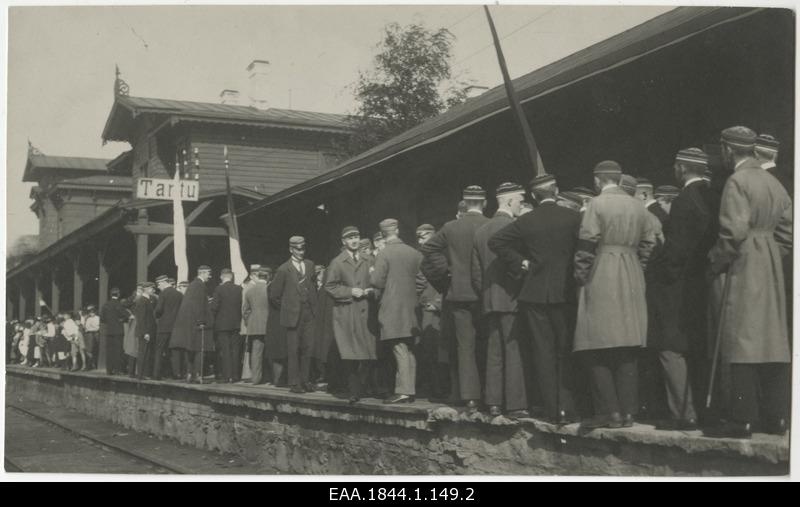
(379, 241)
(165, 312)
(145, 330)
(250, 281)
(294, 293)
(191, 335)
(766, 151)
(505, 382)
(255, 313)
(394, 275)
(538, 248)
(226, 307)
(348, 283)
(755, 231)
(665, 194)
(447, 264)
(112, 316)
(569, 200)
(615, 241)
(432, 360)
(365, 249)
(182, 286)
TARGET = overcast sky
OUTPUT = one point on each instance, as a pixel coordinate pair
(61, 61)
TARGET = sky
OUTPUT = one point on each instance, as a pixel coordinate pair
(61, 61)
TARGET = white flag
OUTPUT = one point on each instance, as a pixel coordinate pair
(179, 231)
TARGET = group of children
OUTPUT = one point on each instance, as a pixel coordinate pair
(68, 340)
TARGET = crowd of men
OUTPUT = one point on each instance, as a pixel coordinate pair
(592, 306)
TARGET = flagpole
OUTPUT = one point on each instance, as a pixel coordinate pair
(531, 151)
(237, 264)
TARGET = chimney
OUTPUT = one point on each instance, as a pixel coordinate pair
(257, 77)
(229, 97)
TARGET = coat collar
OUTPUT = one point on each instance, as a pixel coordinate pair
(748, 163)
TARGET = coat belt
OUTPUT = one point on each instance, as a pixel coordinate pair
(616, 249)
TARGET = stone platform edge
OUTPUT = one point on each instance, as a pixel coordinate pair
(421, 416)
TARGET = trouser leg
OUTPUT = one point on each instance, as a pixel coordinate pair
(237, 357)
(256, 358)
(177, 359)
(493, 393)
(603, 389)
(468, 377)
(551, 345)
(225, 361)
(277, 370)
(775, 381)
(678, 389)
(162, 340)
(357, 372)
(305, 341)
(293, 359)
(406, 375)
(744, 387)
(626, 378)
(515, 393)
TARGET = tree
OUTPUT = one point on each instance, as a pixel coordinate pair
(411, 82)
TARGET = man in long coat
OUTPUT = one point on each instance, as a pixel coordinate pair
(616, 239)
(396, 268)
(192, 334)
(755, 230)
(226, 306)
(505, 380)
(447, 264)
(112, 316)
(165, 312)
(255, 313)
(347, 281)
(680, 274)
(145, 329)
(324, 351)
(293, 291)
(538, 248)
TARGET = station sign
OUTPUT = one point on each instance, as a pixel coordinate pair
(164, 189)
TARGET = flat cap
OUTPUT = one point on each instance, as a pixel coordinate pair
(509, 188)
(607, 167)
(388, 225)
(350, 230)
(204, 267)
(171, 281)
(739, 136)
(148, 285)
(473, 192)
(226, 271)
(377, 236)
(162, 278)
(364, 243)
(644, 183)
(544, 180)
(692, 156)
(767, 142)
(425, 228)
(628, 184)
(572, 197)
(667, 191)
(297, 241)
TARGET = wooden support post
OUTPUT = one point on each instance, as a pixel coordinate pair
(9, 308)
(141, 248)
(166, 242)
(22, 301)
(37, 295)
(77, 283)
(102, 277)
(55, 291)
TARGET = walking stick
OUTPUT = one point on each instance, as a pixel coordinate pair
(202, 348)
(715, 358)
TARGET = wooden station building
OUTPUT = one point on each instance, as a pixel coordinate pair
(122, 239)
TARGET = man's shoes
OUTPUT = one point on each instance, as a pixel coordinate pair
(729, 430)
(472, 406)
(519, 414)
(309, 387)
(495, 411)
(613, 420)
(297, 390)
(398, 398)
(776, 427)
(628, 421)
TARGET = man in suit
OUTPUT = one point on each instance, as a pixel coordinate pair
(447, 264)
(432, 358)
(226, 306)
(755, 232)
(112, 316)
(505, 381)
(616, 238)
(145, 329)
(165, 312)
(294, 293)
(255, 312)
(679, 275)
(395, 273)
(190, 334)
(538, 248)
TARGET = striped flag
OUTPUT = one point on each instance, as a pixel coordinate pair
(179, 229)
(237, 265)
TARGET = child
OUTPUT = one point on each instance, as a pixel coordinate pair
(73, 334)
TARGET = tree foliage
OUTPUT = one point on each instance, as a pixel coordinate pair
(410, 82)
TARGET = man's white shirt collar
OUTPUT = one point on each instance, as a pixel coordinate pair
(692, 180)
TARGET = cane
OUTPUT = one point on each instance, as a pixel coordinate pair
(202, 349)
(715, 358)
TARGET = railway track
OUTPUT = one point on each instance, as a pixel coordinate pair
(146, 463)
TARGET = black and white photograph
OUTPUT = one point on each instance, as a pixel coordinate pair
(413, 242)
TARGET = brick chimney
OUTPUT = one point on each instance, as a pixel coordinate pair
(258, 73)
(229, 97)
